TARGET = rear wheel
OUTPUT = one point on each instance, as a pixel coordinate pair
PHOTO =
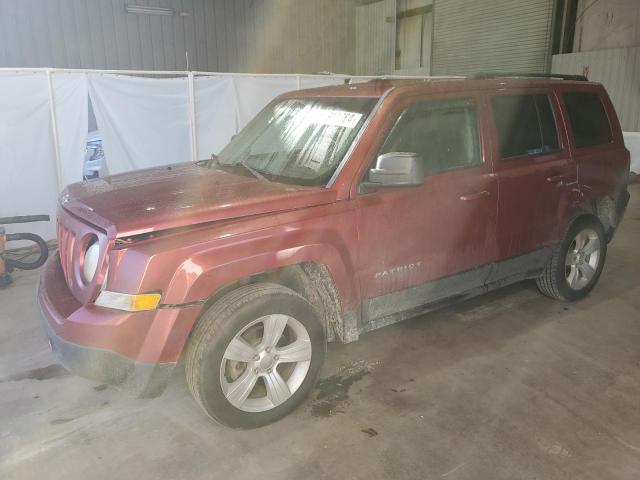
(577, 263)
(255, 355)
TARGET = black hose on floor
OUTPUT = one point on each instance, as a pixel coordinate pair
(12, 264)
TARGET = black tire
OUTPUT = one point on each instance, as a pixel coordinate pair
(553, 281)
(217, 328)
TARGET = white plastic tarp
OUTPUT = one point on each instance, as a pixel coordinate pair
(28, 178)
(224, 105)
(632, 142)
(71, 103)
(144, 122)
(216, 116)
(254, 93)
(320, 81)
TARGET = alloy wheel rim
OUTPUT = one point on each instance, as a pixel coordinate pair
(265, 363)
(581, 261)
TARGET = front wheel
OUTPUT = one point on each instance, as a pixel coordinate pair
(255, 355)
(577, 263)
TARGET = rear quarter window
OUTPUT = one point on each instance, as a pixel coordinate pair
(589, 122)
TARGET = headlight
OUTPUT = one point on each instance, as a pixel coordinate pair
(90, 262)
(129, 303)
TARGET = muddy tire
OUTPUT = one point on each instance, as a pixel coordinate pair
(255, 355)
(577, 262)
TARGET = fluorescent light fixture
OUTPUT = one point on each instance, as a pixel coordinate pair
(142, 9)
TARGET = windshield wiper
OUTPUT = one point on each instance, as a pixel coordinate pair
(251, 170)
(214, 162)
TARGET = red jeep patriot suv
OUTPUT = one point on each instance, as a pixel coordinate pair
(336, 211)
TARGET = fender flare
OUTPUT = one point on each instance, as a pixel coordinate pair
(187, 287)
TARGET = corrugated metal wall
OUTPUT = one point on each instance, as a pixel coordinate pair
(618, 69)
(288, 36)
(375, 33)
(491, 35)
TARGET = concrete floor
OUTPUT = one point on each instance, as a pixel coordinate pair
(509, 385)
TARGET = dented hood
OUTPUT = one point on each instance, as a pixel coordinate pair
(180, 195)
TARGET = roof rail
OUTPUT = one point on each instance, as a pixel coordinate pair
(383, 77)
(561, 76)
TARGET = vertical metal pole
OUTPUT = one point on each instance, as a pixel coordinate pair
(54, 131)
(393, 36)
(2, 247)
(298, 82)
(433, 36)
(237, 103)
(192, 119)
(563, 27)
(552, 28)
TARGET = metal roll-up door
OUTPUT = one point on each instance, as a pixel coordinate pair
(473, 36)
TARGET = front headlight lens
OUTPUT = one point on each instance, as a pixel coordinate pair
(90, 262)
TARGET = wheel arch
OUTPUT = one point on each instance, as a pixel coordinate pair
(553, 281)
(608, 207)
(589, 210)
(584, 214)
(312, 280)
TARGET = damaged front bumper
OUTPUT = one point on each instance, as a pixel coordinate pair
(136, 351)
(144, 380)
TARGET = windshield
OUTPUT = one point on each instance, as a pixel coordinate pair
(298, 140)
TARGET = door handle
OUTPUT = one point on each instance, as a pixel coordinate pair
(475, 196)
(556, 178)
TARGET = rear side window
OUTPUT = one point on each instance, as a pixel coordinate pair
(443, 132)
(526, 125)
(588, 118)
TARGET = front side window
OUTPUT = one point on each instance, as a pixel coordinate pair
(444, 133)
(525, 124)
(588, 118)
(299, 140)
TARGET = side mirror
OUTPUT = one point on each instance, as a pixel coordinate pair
(395, 169)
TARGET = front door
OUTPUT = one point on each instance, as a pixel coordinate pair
(420, 244)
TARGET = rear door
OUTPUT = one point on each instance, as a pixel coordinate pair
(536, 174)
(421, 244)
(597, 141)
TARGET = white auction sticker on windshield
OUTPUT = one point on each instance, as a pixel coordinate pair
(338, 118)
